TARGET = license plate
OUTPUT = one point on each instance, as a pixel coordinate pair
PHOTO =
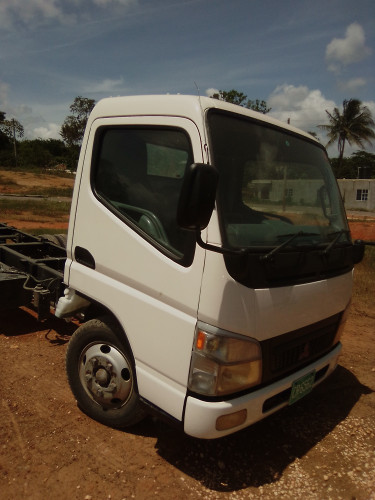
(301, 387)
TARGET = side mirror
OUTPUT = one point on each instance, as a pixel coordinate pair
(197, 197)
(358, 251)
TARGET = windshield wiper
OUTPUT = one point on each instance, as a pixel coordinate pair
(292, 237)
(335, 240)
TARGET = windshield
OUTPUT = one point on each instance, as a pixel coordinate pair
(275, 188)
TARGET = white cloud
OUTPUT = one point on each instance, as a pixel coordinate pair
(51, 131)
(304, 107)
(34, 124)
(371, 106)
(343, 51)
(18, 11)
(106, 86)
(36, 12)
(352, 85)
(211, 91)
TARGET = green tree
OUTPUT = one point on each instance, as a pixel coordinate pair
(34, 154)
(257, 105)
(350, 167)
(364, 159)
(4, 139)
(42, 153)
(354, 125)
(73, 128)
(6, 156)
(343, 169)
(11, 129)
(239, 98)
(56, 147)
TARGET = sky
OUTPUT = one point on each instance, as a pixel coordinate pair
(302, 56)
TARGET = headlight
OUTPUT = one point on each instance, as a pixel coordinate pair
(223, 363)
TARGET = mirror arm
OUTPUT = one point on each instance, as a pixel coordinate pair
(362, 242)
(214, 248)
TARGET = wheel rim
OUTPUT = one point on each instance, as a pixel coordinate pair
(106, 375)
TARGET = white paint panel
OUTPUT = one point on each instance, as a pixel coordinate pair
(153, 386)
(266, 313)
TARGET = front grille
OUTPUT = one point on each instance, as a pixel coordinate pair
(293, 350)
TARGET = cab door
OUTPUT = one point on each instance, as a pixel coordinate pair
(127, 252)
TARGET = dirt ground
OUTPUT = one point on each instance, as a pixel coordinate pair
(12, 182)
(27, 184)
(323, 447)
(319, 448)
(362, 230)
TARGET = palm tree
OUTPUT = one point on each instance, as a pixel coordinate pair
(353, 125)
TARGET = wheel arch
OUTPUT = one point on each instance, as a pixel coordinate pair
(98, 311)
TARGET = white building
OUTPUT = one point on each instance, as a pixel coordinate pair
(358, 194)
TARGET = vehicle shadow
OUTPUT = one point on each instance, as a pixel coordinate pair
(259, 454)
(22, 321)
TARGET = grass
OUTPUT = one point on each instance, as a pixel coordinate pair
(12, 186)
(39, 170)
(51, 191)
(39, 208)
(364, 283)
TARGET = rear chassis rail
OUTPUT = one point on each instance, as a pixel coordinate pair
(31, 271)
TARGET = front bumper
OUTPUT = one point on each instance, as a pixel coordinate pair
(201, 416)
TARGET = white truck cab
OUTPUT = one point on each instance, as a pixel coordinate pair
(210, 252)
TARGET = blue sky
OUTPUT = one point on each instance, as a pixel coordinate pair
(301, 56)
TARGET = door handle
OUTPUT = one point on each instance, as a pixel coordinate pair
(84, 257)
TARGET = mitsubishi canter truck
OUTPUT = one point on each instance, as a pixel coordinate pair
(209, 252)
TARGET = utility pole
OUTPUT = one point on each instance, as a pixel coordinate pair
(14, 141)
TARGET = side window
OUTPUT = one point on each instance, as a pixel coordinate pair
(138, 174)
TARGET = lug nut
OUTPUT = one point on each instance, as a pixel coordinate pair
(112, 387)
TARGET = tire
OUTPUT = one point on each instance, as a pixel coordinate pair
(57, 239)
(62, 239)
(101, 375)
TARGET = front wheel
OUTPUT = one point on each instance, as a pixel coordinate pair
(102, 376)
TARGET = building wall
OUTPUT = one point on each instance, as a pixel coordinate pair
(297, 191)
(358, 194)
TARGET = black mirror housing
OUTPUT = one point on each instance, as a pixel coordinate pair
(358, 251)
(197, 197)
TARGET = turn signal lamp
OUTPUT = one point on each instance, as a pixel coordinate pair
(231, 420)
(223, 363)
